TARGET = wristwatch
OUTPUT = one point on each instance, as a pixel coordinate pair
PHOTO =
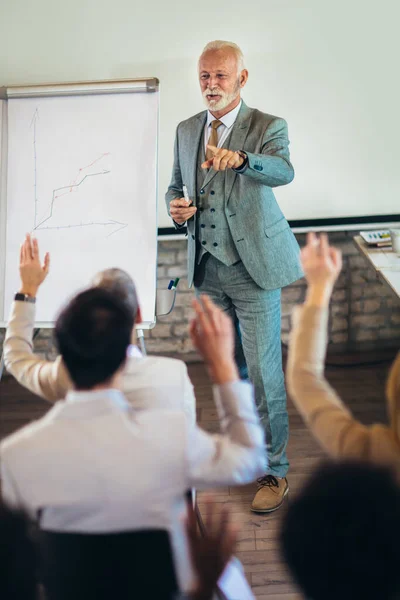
(24, 298)
(245, 158)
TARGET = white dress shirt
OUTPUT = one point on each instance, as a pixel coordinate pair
(223, 130)
(94, 464)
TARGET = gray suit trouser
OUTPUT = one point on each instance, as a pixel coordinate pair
(259, 314)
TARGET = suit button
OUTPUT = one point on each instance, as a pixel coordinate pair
(202, 225)
(202, 191)
(215, 244)
(192, 237)
(212, 209)
(213, 226)
(204, 242)
(212, 192)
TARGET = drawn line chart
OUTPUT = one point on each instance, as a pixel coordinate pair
(57, 193)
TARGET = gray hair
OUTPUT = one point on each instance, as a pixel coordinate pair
(119, 283)
(222, 45)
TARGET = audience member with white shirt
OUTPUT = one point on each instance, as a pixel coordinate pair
(148, 382)
(95, 464)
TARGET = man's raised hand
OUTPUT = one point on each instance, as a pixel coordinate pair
(32, 271)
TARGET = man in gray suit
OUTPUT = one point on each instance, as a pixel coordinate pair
(241, 250)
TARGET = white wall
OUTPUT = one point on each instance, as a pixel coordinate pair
(330, 69)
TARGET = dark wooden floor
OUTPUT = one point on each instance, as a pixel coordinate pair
(362, 388)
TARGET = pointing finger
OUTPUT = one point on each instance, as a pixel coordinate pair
(213, 149)
(207, 164)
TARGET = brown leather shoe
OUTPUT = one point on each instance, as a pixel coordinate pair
(271, 493)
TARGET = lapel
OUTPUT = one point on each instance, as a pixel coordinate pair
(194, 137)
(235, 141)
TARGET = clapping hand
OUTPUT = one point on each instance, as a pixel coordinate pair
(212, 334)
(322, 264)
(32, 271)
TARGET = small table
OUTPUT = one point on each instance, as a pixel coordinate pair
(385, 262)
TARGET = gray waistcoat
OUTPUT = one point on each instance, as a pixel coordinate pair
(211, 224)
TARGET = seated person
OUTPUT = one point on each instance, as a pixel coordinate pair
(95, 464)
(17, 556)
(339, 535)
(148, 381)
(332, 424)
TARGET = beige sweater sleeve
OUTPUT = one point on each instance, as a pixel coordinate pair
(329, 420)
(42, 377)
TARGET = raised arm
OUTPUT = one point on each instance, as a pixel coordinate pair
(237, 455)
(322, 409)
(44, 378)
(271, 167)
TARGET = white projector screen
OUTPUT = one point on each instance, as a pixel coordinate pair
(329, 68)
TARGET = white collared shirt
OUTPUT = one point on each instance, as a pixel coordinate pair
(223, 130)
(93, 464)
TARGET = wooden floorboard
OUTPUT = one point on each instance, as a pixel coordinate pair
(361, 387)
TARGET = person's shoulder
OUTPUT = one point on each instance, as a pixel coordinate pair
(166, 361)
(24, 437)
(188, 123)
(156, 363)
(266, 118)
(154, 372)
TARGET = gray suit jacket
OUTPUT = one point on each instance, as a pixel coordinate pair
(262, 236)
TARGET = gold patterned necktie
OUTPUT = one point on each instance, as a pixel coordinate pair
(213, 139)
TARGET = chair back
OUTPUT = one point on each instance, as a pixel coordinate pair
(81, 566)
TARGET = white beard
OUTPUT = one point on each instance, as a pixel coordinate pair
(223, 102)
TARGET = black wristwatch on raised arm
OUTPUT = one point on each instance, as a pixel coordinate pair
(24, 298)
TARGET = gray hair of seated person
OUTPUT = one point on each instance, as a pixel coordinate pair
(119, 283)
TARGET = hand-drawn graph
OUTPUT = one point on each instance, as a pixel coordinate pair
(82, 177)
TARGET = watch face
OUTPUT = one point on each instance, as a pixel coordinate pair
(24, 298)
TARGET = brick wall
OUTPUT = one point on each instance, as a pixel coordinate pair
(364, 314)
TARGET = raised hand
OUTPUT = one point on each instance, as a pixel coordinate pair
(322, 264)
(32, 271)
